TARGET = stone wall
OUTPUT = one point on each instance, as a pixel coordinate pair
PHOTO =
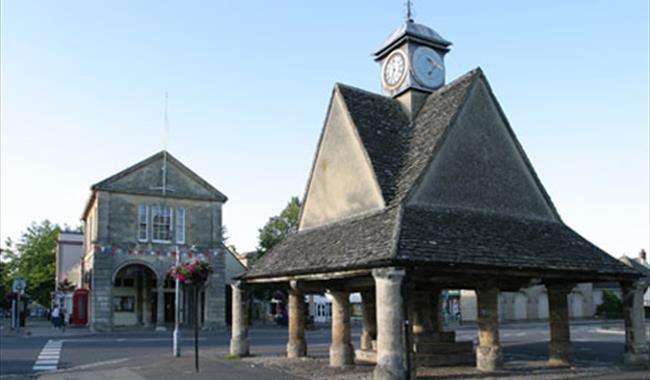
(117, 218)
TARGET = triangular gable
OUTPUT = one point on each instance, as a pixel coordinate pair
(430, 124)
(145, 178)
(383, 127)
(480, 165)
(342, 182)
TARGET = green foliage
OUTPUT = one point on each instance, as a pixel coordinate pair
(612, 306)
(274, 231)
(279, 227)
(33, 258)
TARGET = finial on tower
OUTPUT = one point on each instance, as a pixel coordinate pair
(409, 12)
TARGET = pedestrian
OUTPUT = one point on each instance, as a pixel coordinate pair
(56, 316)
(62, 317)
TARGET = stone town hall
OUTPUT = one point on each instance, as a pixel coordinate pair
(420, 189)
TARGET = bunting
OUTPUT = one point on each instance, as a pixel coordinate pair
(187, 254)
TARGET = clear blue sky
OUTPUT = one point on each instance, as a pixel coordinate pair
(83, 88)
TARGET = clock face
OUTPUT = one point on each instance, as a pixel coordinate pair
(428, 67)
(394, 69)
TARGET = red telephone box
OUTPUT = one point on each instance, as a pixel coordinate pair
(79, 315)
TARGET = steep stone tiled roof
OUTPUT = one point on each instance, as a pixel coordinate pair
(400, 151)
(349, 244)
(455, 237)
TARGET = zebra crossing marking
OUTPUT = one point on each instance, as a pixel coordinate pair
(48, 359)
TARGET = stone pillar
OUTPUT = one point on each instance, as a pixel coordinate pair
(215, 294)
(341, 349)
(239, 344)
(488, 352)
(296, 347)
(101, 293)
(636, 345)
(559, 347)
(420, 314)
(435, 313)
(369, 332)
(390, 323)
(160, 305)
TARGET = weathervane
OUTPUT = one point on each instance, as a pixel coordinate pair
(409, 12)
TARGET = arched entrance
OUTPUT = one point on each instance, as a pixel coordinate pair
(135, 295)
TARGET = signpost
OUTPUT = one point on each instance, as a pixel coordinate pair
(18, 287)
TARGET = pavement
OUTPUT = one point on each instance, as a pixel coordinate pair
(144, 354)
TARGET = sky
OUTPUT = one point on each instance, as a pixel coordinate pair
(83, 86)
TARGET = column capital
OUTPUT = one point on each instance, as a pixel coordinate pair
(389, 273)
(239, 284)
(296, 286)
(634, 286)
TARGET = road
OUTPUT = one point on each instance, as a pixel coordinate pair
(592, 343)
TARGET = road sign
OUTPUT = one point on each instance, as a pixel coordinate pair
(19, 285)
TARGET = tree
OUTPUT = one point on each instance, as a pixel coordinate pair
(274, 231)
(33, 259)
(611, 307)
(279, 227)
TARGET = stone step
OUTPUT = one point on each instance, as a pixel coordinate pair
(365, 356)
(444, 348)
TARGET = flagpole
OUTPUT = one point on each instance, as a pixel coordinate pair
(177, 300)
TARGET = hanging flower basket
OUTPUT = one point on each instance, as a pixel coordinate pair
(193, 272)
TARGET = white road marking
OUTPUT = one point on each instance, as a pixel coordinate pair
(48, 359)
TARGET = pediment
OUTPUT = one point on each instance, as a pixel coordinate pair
(146, 177)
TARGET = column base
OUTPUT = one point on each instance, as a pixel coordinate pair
(389, 371)
(341, 355)
(636, 359)
(559, 354)
(488, 358)
(366, 342)
(297, 349)
(239, 347)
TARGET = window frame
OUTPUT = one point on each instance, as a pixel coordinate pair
(146, 223)
(179, 229)
(154, 224)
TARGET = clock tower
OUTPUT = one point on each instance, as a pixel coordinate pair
(412, 63)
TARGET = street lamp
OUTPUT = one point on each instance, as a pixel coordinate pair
(176, 349)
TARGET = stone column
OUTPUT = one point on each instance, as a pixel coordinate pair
(559, 347)
(160, 305)
(215, 297)
(239, 344)
(296, 347)
(101, 293)
(369, 332)
(435, 310)
(390, 322)
(636, 345)
(420, 314)
(341, 349)
(488, 352)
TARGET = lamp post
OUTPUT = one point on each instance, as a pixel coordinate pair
(177, 300)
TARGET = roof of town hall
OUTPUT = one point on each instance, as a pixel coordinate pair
(110, 184)
(441, 237)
